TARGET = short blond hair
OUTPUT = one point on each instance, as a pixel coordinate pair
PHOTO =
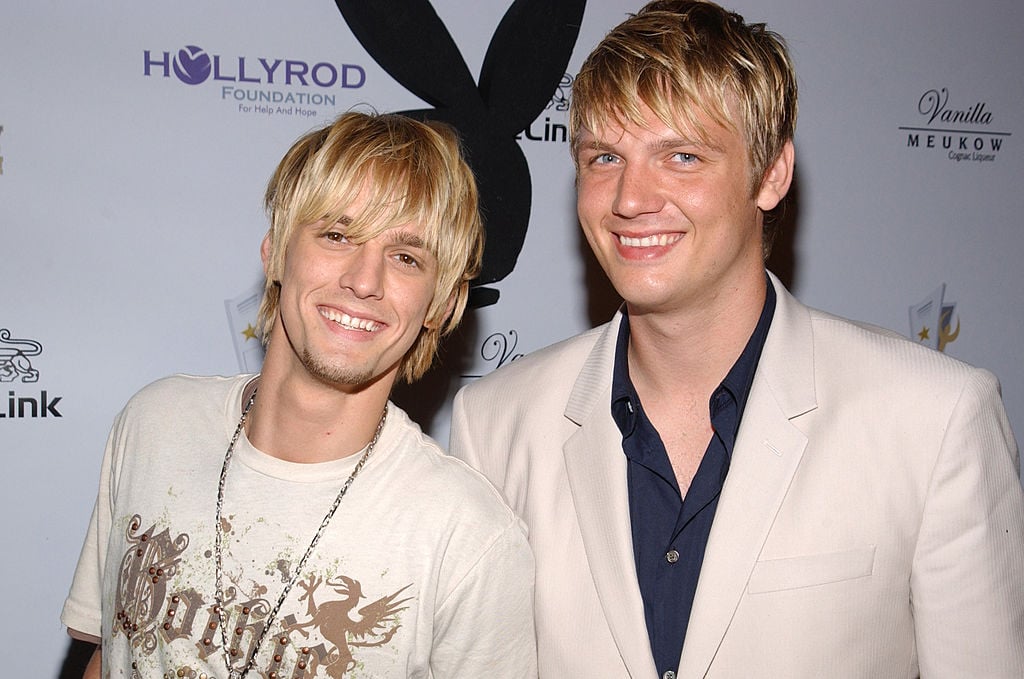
(408, 171)
(684, 58)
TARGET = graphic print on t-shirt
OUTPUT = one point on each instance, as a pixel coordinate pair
(156, 611)
(376, 625)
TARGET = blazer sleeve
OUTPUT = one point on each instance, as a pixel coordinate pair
(465, 447)
(967, 583)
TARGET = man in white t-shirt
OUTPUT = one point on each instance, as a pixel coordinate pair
(296, 523)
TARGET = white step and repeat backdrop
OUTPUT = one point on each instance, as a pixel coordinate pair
(136, 139)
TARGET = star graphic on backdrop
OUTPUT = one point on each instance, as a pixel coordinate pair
(923, 335)
(249, 332)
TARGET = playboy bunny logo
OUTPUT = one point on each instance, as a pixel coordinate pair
(525, 63)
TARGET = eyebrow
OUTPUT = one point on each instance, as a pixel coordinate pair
(595, 144)
(666, 144)
(411, 240)
(675, 142)
(395, 235)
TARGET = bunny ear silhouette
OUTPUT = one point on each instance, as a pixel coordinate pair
(527, 58)
(523, 66)
(409, 41)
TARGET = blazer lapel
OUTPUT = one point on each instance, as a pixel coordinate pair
(596, 469)
(767, 452)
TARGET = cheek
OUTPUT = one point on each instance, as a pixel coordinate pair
(591, 196)
(412, 297)
(590, 220)
(724, 202)
(305, 271)
(595, 245)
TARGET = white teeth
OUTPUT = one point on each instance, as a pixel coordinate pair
(650, 241)
(349, 322)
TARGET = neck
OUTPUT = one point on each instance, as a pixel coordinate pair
(308, 421)
(690, 350)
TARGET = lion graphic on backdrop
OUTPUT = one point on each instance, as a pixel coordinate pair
(14, 358)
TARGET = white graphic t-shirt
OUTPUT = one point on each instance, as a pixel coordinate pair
(422, 572)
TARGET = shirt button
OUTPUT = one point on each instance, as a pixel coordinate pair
(669, 674)
(671, 556)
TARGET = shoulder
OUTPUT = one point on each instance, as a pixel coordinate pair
(864, 367)
(439, 480)
(447, 502)
(814, 358)
(188, 388)
(850, 352)
(861, 346)
(184, 398)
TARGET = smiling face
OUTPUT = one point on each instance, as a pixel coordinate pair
(671, 215)
(350, 311)
(372, 173)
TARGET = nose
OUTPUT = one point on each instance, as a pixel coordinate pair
(363, 271)
(637, 192)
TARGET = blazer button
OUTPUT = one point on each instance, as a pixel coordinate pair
(671, 556)
(669, 674)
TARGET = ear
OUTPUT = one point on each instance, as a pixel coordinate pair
(265, 252)
(777, 179)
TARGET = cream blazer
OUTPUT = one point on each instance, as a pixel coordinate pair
(871, 524)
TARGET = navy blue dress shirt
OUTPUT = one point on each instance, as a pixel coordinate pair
(670, 532)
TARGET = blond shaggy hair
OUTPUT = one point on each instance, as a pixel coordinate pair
(408, 171)
(684, 58)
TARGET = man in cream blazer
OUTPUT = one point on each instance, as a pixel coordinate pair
(862, 512)
(871, 523)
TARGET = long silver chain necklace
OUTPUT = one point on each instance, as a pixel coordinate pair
(240, 672)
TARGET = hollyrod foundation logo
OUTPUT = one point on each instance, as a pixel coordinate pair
(260, 85)
(958, 130)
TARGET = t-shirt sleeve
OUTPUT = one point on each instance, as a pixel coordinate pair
(82, 611)
(485, 627)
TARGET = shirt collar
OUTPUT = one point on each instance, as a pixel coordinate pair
(737, 381)
(741, 376)
(623, 392)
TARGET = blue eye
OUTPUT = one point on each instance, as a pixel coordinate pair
(685, 157)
